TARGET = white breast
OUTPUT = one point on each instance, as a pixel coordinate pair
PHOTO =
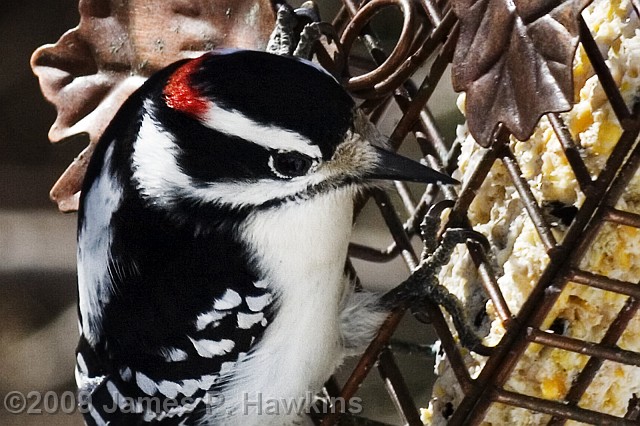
(303, 248)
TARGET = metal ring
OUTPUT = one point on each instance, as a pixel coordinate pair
(400, 52)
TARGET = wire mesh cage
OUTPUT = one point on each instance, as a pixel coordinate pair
(548, 161)
(430, 32)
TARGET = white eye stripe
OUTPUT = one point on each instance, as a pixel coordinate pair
(234, 123)
(159, 178)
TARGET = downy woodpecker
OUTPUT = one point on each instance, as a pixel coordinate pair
(212, 239)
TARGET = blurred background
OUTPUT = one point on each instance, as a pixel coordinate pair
(38, 328)
(37, 267)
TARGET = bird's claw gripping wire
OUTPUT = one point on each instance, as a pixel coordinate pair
(423, 284)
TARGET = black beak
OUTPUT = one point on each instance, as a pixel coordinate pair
(396, 167)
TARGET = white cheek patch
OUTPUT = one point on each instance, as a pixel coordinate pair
(155, 166)
(160, 179)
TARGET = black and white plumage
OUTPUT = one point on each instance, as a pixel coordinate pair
(212, 238)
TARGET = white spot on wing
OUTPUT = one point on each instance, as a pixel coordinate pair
(96, 416)
(82, 366)
(229, 300)
(206, 382)
(173, 412)
(261, 284)
(257, 304)
(116, 395)
(168, 388)
(189, 387)
(126, 374)
(173, 354)
(211, 348)
(227, 367)
(83, 381)
(246, 321)
(212, 318)
(145, 384)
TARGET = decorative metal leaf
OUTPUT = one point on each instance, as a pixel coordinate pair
(94, 67)
(514, 59)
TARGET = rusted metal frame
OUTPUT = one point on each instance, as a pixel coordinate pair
(556, 408)
(621, 217)
(432, 192)
(500, 365)
(458, 216)
(419, 100)
(397, 388)
(490, 283)
(450, 346)
(393, 250)
(403, 95)
(428, 136)
(406, 197)
(604, 74)
(422, 350)
(353, 6)
(366, 362)
(372, 254)
(424, 43)
(488, 276)
(633, 410)
(432, 11)
(428, 124)
(433, 143)
(371, 41)
(606, 190)
(571, 151)
(428, 197)
(418, 211)
(608, 352)
(604, 283)
(396, 228)
(529, 200)
(370, 356)
(404, 102)
(445, 5)
(401, 50)
(426, 48)
(583, 380)
(341, 19)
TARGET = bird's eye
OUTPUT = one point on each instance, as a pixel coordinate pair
(287, 165)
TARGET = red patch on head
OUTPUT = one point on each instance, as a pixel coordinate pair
(179, 93)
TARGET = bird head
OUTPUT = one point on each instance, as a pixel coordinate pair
(241, 128)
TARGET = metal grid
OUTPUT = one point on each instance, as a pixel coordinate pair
(429, 34)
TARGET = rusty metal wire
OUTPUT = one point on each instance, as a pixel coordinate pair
(429, 33)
